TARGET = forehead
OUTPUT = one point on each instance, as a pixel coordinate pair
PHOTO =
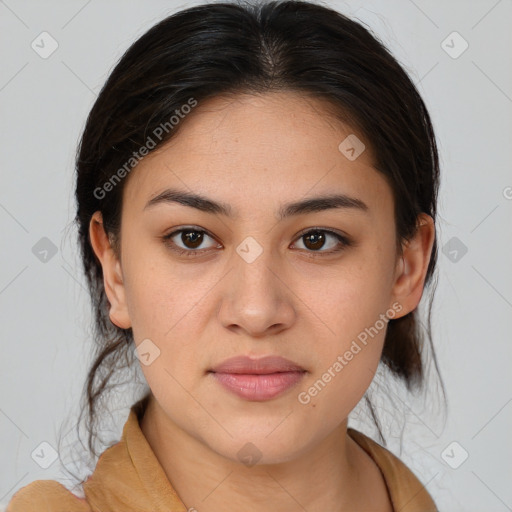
(276, 144)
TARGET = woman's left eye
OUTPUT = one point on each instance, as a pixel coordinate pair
(315, 239)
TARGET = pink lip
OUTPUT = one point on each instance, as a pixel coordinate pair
(258, 379)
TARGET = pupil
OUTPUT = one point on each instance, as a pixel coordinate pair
(194, 240)
(318, 239)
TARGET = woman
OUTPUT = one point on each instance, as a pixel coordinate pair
(256, 202)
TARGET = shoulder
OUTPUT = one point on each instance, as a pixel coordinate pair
(47, 496)
(406, 490)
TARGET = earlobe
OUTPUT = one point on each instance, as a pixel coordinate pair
(112, 272)
(413, 264)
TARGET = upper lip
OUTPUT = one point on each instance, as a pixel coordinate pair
(263, 365)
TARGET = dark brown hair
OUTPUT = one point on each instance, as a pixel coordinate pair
(243, 48)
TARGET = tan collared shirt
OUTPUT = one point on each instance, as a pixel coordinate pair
(129, 478)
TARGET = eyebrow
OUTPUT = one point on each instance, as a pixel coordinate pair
(309, 205)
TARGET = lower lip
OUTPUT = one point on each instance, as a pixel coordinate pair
(258, 387)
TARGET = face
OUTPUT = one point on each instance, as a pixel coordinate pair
(312, 286)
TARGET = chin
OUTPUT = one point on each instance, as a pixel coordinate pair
(258, 449)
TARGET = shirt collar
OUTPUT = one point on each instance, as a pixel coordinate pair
(129, 475)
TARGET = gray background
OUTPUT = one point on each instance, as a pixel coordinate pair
(45, 319)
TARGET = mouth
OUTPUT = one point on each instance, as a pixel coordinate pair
(258, 379)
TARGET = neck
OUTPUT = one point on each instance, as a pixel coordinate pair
(327, 477)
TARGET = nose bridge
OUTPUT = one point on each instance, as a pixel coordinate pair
(254, 263)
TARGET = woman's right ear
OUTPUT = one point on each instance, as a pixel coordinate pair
(112, 272)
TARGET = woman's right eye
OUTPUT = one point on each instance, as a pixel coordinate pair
(191, 238)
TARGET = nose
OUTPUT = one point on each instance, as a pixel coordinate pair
(256, 297)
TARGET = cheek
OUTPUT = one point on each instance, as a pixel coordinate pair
(347, 355)
(159, 293)
(166, 305)
(162, 310)
(349, 308)
(346, 298)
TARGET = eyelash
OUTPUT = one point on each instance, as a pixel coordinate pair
(345, 241)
